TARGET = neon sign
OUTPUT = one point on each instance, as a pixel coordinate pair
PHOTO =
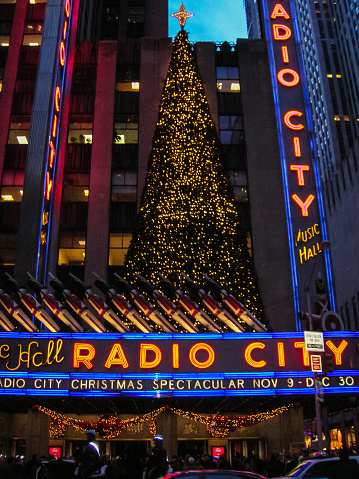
(83, 364)
(54, 127)
(304, 205)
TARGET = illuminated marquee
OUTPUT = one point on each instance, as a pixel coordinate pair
(60, 71)
(162, 364)
(299, 165)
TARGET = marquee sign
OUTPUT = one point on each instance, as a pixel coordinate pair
(304, 205)
(157, 365)
(54, 125)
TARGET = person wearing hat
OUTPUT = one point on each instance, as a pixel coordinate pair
(157, 465)
(90, 460)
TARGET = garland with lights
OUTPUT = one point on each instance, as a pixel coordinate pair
(188, 220)
(110, 427)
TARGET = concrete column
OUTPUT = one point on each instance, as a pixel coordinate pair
(166, 424)
(37, 434)
(206, 60)
(10, 74)
(271, 253)
(100, 176)
(156, 22)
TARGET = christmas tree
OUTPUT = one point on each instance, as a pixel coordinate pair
(188, 221)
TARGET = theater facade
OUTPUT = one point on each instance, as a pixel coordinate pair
(73, 160)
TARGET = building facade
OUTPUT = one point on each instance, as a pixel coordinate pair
(81, 89)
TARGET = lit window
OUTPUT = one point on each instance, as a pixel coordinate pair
(7, 197)
(126, 131)
(128, 86)
(235, 87)
(22, 140)
(346, 118)
(72, 250)
(330, 75)
(119, 244)
(80, 133)
(338, 76)
(336, 118)
(32, 40)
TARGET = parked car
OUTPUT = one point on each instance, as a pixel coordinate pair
(326, 468)
(214, 474)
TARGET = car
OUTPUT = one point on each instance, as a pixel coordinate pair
(214, 474)
(326, 468)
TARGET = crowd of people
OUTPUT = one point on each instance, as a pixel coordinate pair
(88, 461)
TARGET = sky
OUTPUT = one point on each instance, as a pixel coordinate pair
(212, 21)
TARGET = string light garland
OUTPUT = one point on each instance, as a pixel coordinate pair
(110, 427)
(188, 220)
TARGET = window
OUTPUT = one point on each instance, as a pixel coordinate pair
(76, 187)
(119, 243)
(19, 133)
(228, 79)
(238, 180)
(128, 86)
(12, 186)
(126, 130)
(72, 249)
(124, 185)
(231, 129)
(80, 133)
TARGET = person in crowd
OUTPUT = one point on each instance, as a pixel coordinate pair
(90, 459)
(157, 464)
(223, 463)
(192, 465)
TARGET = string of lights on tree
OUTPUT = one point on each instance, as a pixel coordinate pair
(110, 427)
(188, 219)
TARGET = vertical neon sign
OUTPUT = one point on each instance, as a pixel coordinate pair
(53, 137)
(304, 205)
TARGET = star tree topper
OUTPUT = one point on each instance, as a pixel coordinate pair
(182, 16)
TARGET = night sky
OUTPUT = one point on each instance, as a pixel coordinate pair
(217, 21)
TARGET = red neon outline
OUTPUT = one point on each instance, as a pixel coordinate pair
(48, 185)
(281, 354)
(303, 206)
(116, 356)
(288, 71)
(299, 169)
(279, 11)
(285, 54)
(82, 358)
(301, 344)
(248, 357)
(64, 30)
(67, 8)
(52, 154)
(57, 98)
(205, 364)
(175, 356)
(54, 127)
(338, 351)
(277, 36)
(296, 146)
(144, 364)
(287, 117)
(62, 54)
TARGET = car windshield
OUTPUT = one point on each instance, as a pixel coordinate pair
(298, 469)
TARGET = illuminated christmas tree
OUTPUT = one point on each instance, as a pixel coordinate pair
(188, 221)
